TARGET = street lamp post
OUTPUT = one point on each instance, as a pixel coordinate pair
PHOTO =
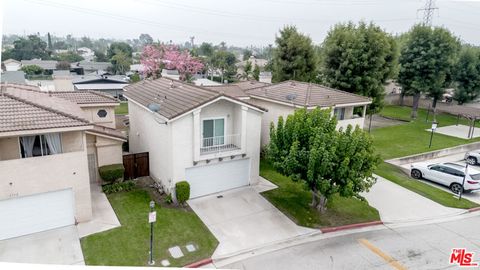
(152, 218)
(434, 127)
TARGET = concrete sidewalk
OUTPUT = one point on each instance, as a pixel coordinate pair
(397, 204)
(104, 217)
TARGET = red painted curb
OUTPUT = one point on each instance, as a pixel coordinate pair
(199, 263)
(351, 226)
(475, 209)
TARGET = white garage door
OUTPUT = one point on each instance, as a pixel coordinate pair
(217, 177)
(36, 213)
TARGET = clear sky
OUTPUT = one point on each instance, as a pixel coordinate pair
(239, 22)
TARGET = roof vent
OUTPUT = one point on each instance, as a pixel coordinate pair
(171, 84)
(293, 83)
(154, 107)
(291, 97)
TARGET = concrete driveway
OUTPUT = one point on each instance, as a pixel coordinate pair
(58, 246)
(242, 219)
(397, 204)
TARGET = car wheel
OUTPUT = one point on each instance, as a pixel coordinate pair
(417, 174)
(456, 188)
(472, 160)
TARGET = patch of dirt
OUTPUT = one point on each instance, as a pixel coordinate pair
(148, 184)
(380, 121)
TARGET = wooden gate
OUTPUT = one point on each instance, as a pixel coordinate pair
(136, 165)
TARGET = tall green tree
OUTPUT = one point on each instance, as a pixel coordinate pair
(100, 56)
(294, 57)
(426, 63)
(145, 39)
(246, 54)
(117, 47)
(121, 62)
(49, 40)
(225, 62)
(29, 48)
(359, 59)
(467, 75)
(68, 57)
(307, 147)
(206, 49)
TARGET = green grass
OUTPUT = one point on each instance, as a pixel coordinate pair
(395, 175)
(411, 138)
(293, 199)
(122, 109)
(128, 245)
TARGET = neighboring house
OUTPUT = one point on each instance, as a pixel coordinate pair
(170, 73)
(210, 139)
(11, 65)
(137, 68)
(50, 147)
(111, 85)
(281, 99)
(48, 65)
(13, 77)
(85, 67)
(205, 82)
(265, 77)
(87, 53)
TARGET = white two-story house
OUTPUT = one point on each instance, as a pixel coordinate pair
(209, 139)
(45, 170)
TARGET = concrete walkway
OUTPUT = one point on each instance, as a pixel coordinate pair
(397, 204)
(58, 246)
(104, 218)
(242, 219)
(460, 131)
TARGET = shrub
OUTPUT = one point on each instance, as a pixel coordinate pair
(117, 187)
(110, 173)
(169, 199)
(182, 189)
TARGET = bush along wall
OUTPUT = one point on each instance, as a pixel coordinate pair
(118, 187)
(111, 173)
(182, 191)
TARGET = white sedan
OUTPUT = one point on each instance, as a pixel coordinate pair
(448, 174)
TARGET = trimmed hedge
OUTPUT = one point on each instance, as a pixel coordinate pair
(182, 189)
(117, 187)
(110, 173)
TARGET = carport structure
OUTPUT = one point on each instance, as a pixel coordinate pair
(472, 114)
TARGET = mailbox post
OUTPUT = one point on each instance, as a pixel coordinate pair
(434, 127)
(152, 218)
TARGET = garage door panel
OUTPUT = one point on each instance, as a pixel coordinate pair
(36, 213)
(218, 177)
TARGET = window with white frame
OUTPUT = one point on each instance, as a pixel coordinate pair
(339, 113)
(40, 145)
(213, 132)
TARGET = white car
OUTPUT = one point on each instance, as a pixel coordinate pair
(448, 174)
(472, 157)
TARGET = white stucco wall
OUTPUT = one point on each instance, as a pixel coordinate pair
(147, 135)
(275, 110)
(28, 176)
(171, 146)
(12, 66)
(354, 122)
(108, 121)
(109, 151)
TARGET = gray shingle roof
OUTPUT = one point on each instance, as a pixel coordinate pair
(17, 114)
(174, 97)
(85, 97)
(306, 94)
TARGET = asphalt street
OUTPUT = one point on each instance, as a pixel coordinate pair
(413, 247)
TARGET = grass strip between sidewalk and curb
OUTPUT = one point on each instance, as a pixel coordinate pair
(396, 175)
(293, 199)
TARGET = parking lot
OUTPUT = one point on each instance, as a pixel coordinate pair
(456, 158)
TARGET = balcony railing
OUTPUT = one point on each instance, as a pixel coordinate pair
(218, 144)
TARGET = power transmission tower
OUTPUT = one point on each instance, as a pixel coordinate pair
(191, 41)
(428, 12)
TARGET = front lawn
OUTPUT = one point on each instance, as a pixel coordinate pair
(128, 245)
(395, 175)
(411, 138)
(122, 109)
(293, 199)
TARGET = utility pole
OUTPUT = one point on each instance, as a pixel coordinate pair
(428, 12)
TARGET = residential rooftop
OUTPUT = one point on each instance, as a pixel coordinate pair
(306, 94)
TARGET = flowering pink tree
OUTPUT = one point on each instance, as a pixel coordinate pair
(153, 58)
